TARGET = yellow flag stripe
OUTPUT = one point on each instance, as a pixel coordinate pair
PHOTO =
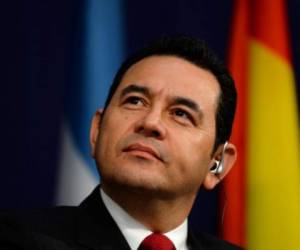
(273, 195)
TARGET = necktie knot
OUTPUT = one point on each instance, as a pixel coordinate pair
(156, 241)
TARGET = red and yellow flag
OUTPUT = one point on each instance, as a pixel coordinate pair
(234, 185)
(270, 162)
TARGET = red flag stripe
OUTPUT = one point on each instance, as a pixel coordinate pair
(273, 33)
(234, 184)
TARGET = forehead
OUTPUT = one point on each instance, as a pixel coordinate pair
(173, 76)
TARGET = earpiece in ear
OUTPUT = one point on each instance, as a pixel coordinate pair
(219, 165)
(217, 168)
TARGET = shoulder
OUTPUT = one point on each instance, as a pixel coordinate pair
(209, 242)
(29, 229)
(39, 219)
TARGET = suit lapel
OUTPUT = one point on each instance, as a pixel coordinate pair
(96, 227)
(97, 230)
(193, 242)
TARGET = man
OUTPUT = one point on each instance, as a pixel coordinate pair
(163, 134)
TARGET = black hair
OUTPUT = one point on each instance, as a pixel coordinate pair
(198, 53)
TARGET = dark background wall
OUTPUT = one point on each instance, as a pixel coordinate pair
(40, 42)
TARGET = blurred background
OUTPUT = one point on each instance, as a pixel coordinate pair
(59, 58)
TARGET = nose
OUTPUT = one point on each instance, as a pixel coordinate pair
(151, 125)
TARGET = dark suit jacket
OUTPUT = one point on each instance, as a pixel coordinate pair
(88, 226)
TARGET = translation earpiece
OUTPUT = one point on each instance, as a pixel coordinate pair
(219, 165)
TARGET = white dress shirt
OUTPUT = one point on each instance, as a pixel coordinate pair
(134, 232)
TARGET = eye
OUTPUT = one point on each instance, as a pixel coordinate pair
(134, 101)
(182, 115)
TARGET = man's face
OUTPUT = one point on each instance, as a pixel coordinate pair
(158, 132)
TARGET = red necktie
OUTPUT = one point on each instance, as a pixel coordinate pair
(156, 241)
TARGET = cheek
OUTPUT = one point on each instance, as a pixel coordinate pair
(114, 128)
(193, 154)
(190, 164)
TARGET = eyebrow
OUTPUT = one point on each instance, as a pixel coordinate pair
(188, 103)
(177, 100)
(135, 88)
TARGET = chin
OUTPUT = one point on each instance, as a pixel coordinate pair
(144, 186)
(133, 180)
(138, 175)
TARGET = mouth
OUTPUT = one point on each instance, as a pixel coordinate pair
(143, 151)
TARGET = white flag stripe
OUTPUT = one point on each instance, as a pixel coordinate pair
(98, 59)
(75, 180)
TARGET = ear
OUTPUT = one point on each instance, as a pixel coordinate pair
(95, 130)
(229, 158)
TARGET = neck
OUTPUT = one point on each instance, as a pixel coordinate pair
(157, 214)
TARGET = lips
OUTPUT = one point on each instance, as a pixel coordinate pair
(143, 149)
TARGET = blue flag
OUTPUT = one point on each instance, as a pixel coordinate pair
(97, 53)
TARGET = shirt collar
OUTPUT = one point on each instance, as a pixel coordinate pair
(134, 232)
